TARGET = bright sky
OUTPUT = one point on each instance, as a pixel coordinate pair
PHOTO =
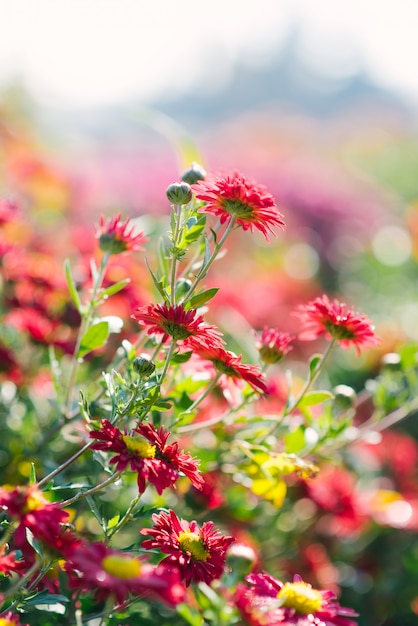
(98, 52)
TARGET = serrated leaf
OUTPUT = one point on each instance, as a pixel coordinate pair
(314, 397)
(313, 364)
(115, 288)
(71, 286)
(95, 337)
(202, 298)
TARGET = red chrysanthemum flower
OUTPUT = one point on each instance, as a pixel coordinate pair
(273, 344)
(270, 602)
(145, 451)
(199, 552)
(118, 237)
(230, 365)
(336, 321)
(176, 322)
(106, 571)
(32, 510)
(8, 563)
(233, 195)
(10, 619)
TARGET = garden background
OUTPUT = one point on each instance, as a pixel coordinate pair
(103, 105)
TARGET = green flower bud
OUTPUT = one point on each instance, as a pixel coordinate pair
(143, 365)
(194, 174)
(344, 397)
(179, 193)
(183, 287)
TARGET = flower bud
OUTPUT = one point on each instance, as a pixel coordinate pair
(392, 361)
(344, 397)
(179, 193)
(194, 174)
(143, 365)
(183, 287)
(241, 559)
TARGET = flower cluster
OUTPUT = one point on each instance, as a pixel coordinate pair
(145, 451)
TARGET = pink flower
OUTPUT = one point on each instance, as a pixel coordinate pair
(117, 237)
(176, 322)
(270, 602)
(199, 552)
(233, 195)
(336, 321)
(273, 344)
(145, 451)
(106, 571)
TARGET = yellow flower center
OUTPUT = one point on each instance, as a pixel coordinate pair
(139, 447)
(191, 542)
(35, 501)
(121, 566)
(6, 622)
(301, 597)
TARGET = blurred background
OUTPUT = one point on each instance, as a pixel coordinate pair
(105, 103)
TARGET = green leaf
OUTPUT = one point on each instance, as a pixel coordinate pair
(295, 441)
(182, 357)
(33, 542)
(32, 475)
(314, 363)
(71, 286)
(110, 291)
(202, 298)
(314, 397)
(190, 616)
(95, 337)
(157, 283)
(46, 598)
(206, 255)
(94, 509)
(112, 522)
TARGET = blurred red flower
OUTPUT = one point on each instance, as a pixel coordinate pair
(199, 552)
(336, 321)
(230, 365)
(117, 237)
(273, 344)
(270, 602)
(233, 195)
(106, 571)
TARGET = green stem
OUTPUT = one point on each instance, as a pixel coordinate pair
(85, 324)
(167, 361)
(89, 492)
(21, 582)
(126, 518)
(174, 257)
(64, 465)
(205, 268)
(199, 400)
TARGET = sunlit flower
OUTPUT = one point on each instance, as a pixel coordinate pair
(10, 619)
(145, 450)
(233, 195)
(31, 510)
(106, 571)
(336, 321)
(273, 344)
(176, 322)
(270, 602)
(199, 552)
(117, 237)
(230, 365)
(8, 562)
